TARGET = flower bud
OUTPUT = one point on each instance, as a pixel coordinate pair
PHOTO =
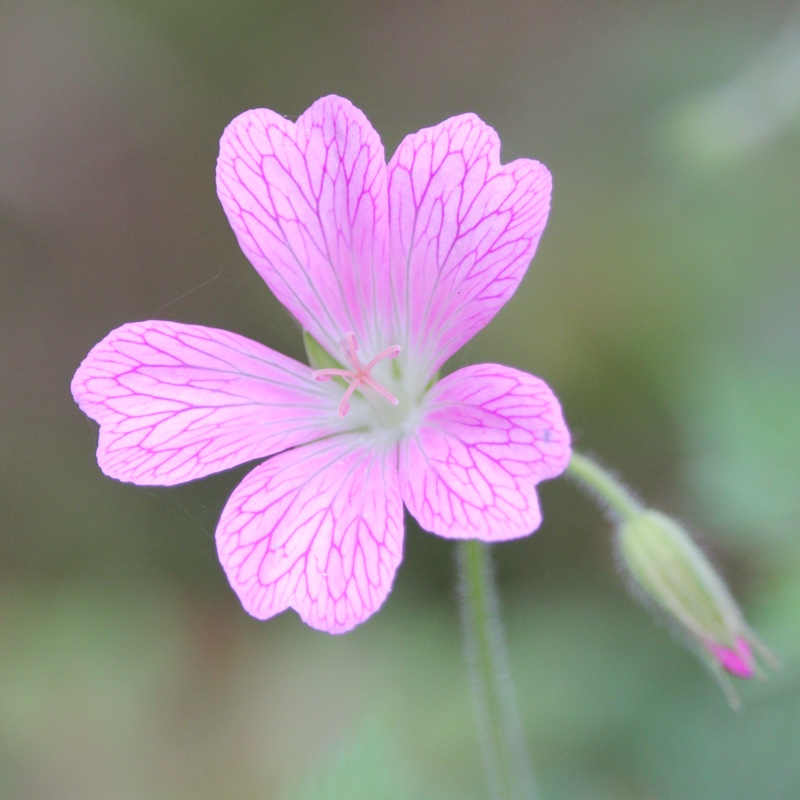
(668, 567)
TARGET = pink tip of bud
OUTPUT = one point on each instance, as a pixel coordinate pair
(737, 661)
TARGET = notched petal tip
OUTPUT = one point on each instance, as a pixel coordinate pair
(464, 230)
(307, 201)
(471, 468)
(177, 402)
(318, 529)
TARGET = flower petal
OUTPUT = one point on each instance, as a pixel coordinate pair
(490, 434)
(308, 204)
(463, 231)
(318, 529)
(177, 402)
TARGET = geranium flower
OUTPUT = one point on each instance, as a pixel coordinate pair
(389, 269)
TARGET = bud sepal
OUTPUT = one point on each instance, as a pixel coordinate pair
(667, 567)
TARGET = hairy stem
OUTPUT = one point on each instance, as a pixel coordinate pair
(504, 751)
(605, 488)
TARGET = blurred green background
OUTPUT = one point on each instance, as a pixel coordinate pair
(663, 307)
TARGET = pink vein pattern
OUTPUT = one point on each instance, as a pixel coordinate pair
(319, 529)
(490, 435)
(463, 231)
(399, 263)
(178, 402)
(309, 207)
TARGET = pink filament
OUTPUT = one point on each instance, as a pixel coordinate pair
(359, 375)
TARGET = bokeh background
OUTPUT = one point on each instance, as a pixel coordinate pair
(663, 307)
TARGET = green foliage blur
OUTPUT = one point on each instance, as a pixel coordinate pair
(663, 307)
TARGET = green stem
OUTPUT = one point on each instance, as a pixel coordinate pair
(505, 754)
(604, 486)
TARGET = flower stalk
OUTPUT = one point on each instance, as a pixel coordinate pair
(604, 487)
(503, 743)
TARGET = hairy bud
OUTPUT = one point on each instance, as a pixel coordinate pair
(669, 568)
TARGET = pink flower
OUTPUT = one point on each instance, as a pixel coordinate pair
(390, 269)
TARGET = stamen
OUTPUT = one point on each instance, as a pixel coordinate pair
(360, 374)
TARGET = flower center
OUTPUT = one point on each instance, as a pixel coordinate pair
(359, 375)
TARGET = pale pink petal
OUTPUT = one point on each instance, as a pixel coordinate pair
(463, 231)
(177, 402)
(308, 204)
(318, 529)
(489, 435)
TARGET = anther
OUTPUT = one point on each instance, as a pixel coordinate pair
(359, 375)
